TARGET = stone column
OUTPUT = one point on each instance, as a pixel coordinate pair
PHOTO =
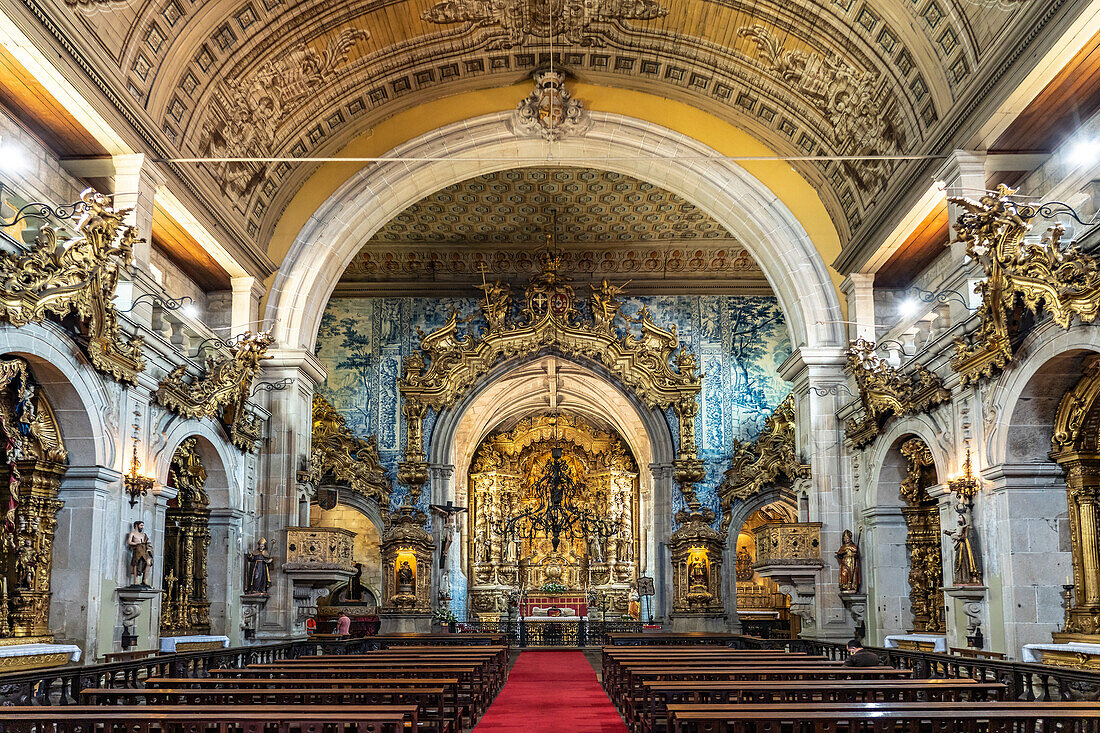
(284, 454)
(964, 175)
(660, 562)
(224, 572)
(245, 305)
(820, 387)
(859, 290)
(87, 546)
(1023, 524)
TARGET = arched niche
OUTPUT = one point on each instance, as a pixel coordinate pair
(519, 387)
(358, 515)
(902, 561)
(756, 602)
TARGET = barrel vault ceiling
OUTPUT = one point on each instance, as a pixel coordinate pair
(303, 78)
(606, 225)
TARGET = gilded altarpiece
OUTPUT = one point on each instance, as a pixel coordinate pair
(506, 467)
(1075, 446)
(186, 608)
(34, 463)
(922, 540)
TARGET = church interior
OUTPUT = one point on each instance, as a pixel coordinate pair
(582, 365)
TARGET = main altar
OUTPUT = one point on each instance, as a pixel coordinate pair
(541, 581)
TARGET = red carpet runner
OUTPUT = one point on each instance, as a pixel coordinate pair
(552, 692)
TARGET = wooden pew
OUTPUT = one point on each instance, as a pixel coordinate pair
(660, 695)
(615, 661)
(896, 717)
(199, 718)
(430, 701)
(461, 703)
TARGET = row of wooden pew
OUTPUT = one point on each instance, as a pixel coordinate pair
(434, 689)
(699, 689)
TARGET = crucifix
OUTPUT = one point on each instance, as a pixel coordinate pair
(449, 512)
(483, 268)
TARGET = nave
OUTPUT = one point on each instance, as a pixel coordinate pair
(646, 683)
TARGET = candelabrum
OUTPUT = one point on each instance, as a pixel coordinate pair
(967, 485)
(1067, 597)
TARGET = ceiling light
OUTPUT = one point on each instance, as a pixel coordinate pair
(13, 158)
(1085, 151)
(908, 308)
(190, 311)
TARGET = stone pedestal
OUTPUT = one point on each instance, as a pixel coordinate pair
(396, 622)
(705, 622)
(969, 599)
(140, 627)
(251, 607)
(856, 605)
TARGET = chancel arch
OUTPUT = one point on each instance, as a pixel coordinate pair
(334, 234)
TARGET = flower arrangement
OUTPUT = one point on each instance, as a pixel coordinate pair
(553, 588)
(444, 615)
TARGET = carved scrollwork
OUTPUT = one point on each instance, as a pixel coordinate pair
(769, 459)
(1045, 277)
(886, 392)
(77, 278)
(223, 390)
(648, 362)
(338, 457)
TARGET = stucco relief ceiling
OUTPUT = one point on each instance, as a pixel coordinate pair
(606, 224)
(807, 77)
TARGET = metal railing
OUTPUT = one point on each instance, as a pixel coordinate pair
(1025, 681)
(578, 632)
(62, 685)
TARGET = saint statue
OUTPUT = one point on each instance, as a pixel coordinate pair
(141, 555)
(697, 574)
(25, 568)
(405, 579)
(967, 571)
(744, 565)
(258, 575)
(634, 608)
(849, 558)
(595, 549)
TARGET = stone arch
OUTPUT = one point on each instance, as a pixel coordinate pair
(742, 510)
(225, 552)
(335, 232)
(646, 431)
(885, 556)
(82, 404)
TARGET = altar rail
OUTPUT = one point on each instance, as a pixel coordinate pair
(578, 633)
(1025, 681)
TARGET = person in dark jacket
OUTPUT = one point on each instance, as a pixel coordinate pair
(860, 657)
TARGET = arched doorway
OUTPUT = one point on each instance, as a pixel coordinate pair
(762, 608)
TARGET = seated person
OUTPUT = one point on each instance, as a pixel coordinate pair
(860, 657)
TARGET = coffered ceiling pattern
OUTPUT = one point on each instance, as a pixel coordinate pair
(606, 224)
(807, 77)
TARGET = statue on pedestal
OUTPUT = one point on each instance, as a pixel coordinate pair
(405, 579)
(697, 575)
(258, 575)
(967, 571)
(849, 558)
(141, 556)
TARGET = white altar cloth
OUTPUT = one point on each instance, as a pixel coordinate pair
(26, 650)
(168, 643)
(1034, 652)
(939, 641)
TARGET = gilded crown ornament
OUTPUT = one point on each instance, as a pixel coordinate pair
(651, 362)
(769, 459)
(1044, 277)
(223, 389)
(885, 392)
(77, 277)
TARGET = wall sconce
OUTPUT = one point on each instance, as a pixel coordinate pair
(136, 484)
(967, 485)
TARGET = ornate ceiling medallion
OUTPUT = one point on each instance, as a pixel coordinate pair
(223, 391)
(768, 459)
(862, 115)
(548, 318)
(339, 458)
(514, 21)
(78, 277)
(885, 392)
(244, 117)
(550, 111)
(1043, 277)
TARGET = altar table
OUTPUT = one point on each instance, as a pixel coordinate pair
(171, 644)
(939, 642)
(23, 657)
